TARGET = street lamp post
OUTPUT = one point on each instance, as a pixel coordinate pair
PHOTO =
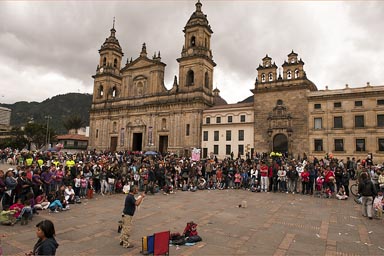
(47, 139)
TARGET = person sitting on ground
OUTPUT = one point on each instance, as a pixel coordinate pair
(201, 183)
(41, 202)
(55, 204)
(69, 194)
(17, 207)
(341, 195)
(26, 213)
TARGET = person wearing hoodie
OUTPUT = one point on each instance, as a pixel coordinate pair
(368, 192)
(46, 245)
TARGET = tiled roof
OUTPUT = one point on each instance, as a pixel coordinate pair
(72, 137)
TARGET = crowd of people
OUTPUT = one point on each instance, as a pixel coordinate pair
(46, 180)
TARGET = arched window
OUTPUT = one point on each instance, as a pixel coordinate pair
(296, 73)
(140, 88)
(115, 63)
(190, 78)
(104, 61)
(262, 78)
(163, 123)
(279, 102)
(270, 77)
(206, 80)
(114, 92)
(97, 133)
(193, 41)
(289, 74)
(101, 91)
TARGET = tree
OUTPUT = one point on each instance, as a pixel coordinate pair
(73, 122)
(15, 140)
(37, 133)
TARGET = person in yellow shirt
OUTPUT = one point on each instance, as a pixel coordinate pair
(29, 160)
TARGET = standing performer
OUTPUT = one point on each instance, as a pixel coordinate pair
(127, 216)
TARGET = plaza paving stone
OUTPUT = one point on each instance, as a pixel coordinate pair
(271, 224)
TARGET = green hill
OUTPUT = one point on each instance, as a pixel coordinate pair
(59, 107)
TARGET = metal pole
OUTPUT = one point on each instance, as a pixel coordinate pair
(47, 132)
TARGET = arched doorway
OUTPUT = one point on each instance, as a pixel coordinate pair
(280, 143)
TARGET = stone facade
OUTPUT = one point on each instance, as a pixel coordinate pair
(280, 100)
(347, 122)
(133, 110)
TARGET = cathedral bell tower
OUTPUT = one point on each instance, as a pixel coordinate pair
(196, 64)
(107, 80)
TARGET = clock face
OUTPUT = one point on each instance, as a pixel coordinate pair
(101, 70)
(190, 51)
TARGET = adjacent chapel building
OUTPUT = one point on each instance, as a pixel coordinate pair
(133, 110)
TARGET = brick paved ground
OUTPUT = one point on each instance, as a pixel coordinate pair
(272, 224)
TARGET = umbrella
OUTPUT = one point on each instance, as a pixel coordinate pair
(150, 153)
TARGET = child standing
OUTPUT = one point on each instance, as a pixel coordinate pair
(77, 182)
(378, 204)
(83, 187)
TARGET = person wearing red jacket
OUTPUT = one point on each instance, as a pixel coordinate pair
(305, 181)
(264, 176)
(329, 179)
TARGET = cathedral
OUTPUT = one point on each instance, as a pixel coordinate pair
(133, 110)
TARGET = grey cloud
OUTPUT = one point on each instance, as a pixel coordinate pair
(64, 37)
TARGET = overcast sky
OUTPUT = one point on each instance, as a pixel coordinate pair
(51, 47)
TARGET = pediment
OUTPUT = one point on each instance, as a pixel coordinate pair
(142, 62)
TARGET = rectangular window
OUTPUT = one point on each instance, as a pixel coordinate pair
(229, 119)
(380, 120)
(97, 133)
(208, 120)
(358, 103)
(317, 106)
(227, 149)
(216, 135)
(318, 123)
(380, 102)
(187, 129)
(218, 120)
(360, 145)
(228, 135)
(205, 136)
(216, 149)
(242, 118)
(241, 149)
(381, 144)
(241, 135)
(339, 145)
(318, 145)
(205, 152)
(359, 121)
(338, 122)
(337, 104)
